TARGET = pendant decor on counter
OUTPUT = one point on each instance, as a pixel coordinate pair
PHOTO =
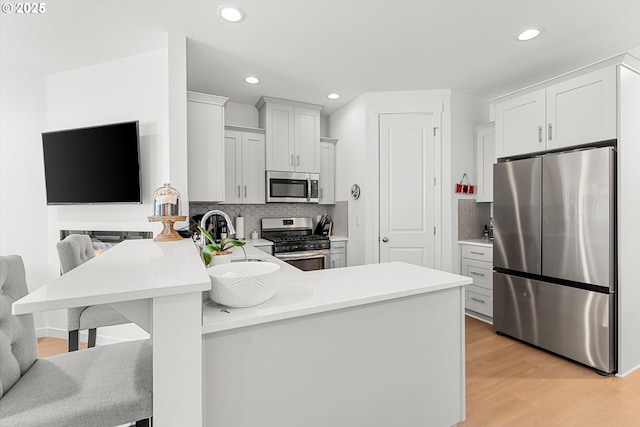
(166, 209)
(467, 188)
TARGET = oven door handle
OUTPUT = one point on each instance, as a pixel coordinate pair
(299, 255)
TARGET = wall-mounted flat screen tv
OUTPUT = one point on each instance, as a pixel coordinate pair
(99, 164)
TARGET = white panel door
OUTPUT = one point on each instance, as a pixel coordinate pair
(407, 194)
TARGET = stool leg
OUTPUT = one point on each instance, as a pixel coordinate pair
(92, 338)
(74, 338)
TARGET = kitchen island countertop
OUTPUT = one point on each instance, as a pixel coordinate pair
(307, 292)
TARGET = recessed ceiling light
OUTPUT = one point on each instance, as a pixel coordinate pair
(252, 80)
(530, 33)
(231, 13)
(333, 96)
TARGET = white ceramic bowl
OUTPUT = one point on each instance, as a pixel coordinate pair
(244, 284)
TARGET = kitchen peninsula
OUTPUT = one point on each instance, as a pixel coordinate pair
(374, 345)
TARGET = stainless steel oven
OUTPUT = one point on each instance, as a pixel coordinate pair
(307, 260)
(292, 187)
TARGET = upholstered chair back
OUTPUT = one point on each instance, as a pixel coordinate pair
(18, 345)
(74, 250)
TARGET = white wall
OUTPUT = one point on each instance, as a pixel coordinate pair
(349, 125)
(466, 112)
(23, 212)
(357, 162)
(240, 114)
(132, 88)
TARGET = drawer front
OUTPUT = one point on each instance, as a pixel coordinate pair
(479, 253)
(338, 247)
(480, 271)
(479, 300)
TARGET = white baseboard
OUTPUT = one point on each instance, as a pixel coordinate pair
(628, 372)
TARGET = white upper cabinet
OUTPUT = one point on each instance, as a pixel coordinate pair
(205, 147)
(327, 190)
(292, 134)
(244, 166)
(519, 125)
(485, 158)
(582, 110)
(577, 111)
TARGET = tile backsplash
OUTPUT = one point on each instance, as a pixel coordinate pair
(472, 217)
(254, 213)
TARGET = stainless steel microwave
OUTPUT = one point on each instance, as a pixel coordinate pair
(292, 187)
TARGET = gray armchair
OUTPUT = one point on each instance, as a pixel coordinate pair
(74, 250)
(103, 386)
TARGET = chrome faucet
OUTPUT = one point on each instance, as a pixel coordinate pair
(206, 216)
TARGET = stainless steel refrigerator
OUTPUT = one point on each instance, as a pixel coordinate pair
(554, 254)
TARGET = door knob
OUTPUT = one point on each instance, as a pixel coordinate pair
(384, 239)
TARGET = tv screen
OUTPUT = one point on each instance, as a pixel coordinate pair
(92, 165)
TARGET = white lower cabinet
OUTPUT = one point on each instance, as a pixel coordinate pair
(338, 254)
(477, 263)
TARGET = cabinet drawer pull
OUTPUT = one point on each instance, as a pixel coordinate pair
(481, 301)
(476, 274)
(477, 253)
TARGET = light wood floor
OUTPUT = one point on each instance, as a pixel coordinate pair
(512, 384)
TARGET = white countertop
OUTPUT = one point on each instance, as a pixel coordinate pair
(477, 242)
(258, 242)
(307, 292)
(131, 270)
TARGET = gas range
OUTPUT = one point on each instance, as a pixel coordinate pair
(293, 235)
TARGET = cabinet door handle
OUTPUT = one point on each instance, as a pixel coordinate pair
(321, 193)
(298, 160)
(481, 301)
(539, 133)
(384, 239)
(476, 274)
(549, 136)
(245, 191)
(238, 191)
(292, 160)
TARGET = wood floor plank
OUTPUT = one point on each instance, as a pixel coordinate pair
(512, 384)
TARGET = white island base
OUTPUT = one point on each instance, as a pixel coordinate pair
(393, 362)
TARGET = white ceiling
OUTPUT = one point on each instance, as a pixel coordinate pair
(305, 49)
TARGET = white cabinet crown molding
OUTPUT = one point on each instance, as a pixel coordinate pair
(268, 99)
(207, 98)
(625, 59)
(244, 129)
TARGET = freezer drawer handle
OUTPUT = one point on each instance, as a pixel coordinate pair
(481, 301)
